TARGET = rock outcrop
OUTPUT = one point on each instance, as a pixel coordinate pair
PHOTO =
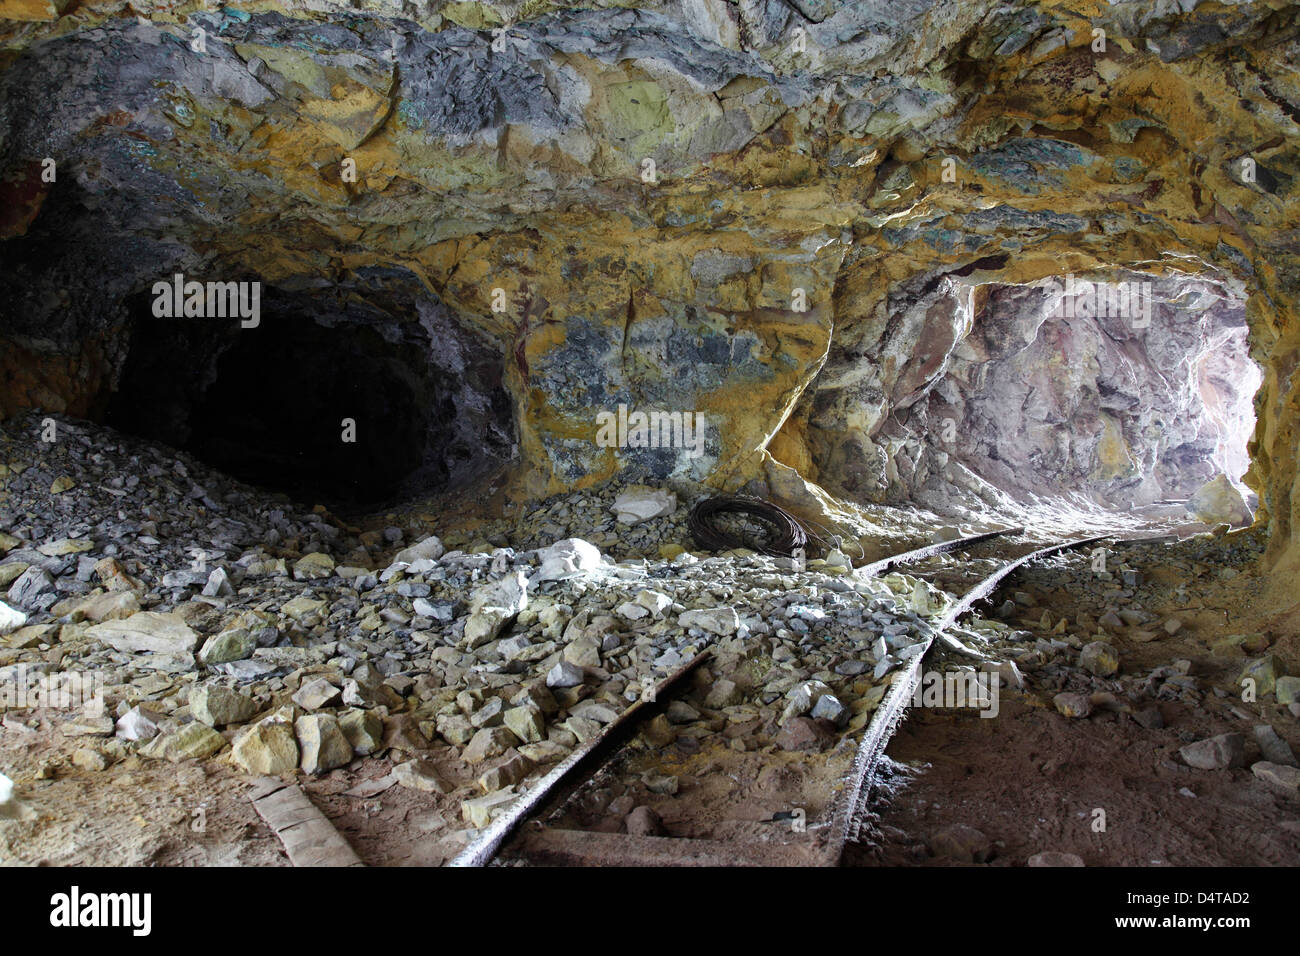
(787, 219)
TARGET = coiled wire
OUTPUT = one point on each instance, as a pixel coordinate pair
(788, 535)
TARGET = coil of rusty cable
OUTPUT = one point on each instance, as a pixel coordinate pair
(787, 532)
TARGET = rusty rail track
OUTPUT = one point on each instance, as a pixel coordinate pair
(933, 550)
(894, 705)
(556, 847)
(562, 778)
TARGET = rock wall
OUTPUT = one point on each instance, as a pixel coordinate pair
(824, 178)
(1112, 392)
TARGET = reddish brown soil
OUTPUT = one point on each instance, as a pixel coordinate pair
(1032, 781)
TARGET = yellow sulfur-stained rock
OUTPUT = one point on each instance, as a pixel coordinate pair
(33, 10)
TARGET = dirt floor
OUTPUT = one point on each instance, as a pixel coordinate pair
(134, 813)
(1033, 781)
(153, 813)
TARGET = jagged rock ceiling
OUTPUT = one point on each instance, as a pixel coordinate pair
(871, 154)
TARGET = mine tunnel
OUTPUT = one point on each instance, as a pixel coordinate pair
(1129, 395)
(352, 415)
(334, 415)
(779, 433)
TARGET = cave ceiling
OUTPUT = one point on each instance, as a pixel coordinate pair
(739, 209)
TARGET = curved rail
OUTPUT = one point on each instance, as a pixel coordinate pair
(894, 704)
(562, 775)
(930, 550)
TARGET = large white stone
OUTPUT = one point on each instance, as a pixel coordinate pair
(654, 601)
(510, 593)
(486, 624)
(10, 618)
(722, 621)
(566, 558)
(641, 504)
(430, 549)
(632, 611)
(165, 635)
(137, 724)
(1218, 501)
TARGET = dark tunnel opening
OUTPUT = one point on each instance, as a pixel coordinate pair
(353, 415)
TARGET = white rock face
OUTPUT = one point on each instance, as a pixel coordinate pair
(493, 607)
(509, 593)
(137, 724)
(641, 504)
(1034, 393)
(566, 558)
(654, 602)
(631, 611)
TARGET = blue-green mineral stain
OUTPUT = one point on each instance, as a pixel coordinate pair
(406, 112)
(1029, 164)
(140, 148)
(1129, 170)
